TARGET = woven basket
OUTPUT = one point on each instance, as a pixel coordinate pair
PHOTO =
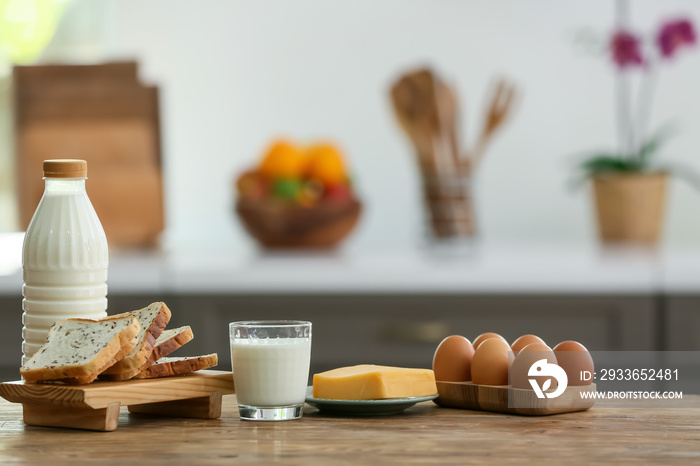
(287, 225)
(630, 207)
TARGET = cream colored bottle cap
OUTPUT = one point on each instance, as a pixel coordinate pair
(65, 168)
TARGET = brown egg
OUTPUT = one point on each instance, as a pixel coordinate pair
(574, 358)
(491, 362)
(525, 358)
(453, 360)
(525, 340)
(485, 336)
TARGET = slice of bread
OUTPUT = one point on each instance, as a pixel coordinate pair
(77, 350)
(153, 320)
(174, 366)
(169, 341)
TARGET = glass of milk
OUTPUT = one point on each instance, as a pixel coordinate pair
(270, 360)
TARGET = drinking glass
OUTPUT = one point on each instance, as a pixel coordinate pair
(270, 362)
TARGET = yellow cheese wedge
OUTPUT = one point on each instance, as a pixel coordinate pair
(369, 382)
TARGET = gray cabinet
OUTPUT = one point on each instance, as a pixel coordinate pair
(401, 330)
(405, 330)
(681, 326)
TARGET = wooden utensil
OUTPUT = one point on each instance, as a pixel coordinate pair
(501, 104)
(413, 99)
(427, 110)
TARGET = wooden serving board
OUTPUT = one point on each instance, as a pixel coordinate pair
(466, 395)
(95, 406)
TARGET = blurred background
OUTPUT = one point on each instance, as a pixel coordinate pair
(410, 243)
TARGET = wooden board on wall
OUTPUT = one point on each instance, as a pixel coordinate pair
(103, 114)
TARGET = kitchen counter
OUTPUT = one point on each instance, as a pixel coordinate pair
(394, 306)
(424, 434)
(485, 269)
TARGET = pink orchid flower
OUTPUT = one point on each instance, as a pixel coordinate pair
(626, 49)
(675, 35)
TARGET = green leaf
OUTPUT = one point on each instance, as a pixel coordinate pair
(684, 172)
(653, 144)
(609, 163)
(601, 162)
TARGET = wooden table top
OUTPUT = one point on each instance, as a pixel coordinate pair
(424, 433)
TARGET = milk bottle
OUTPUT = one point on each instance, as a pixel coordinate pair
(65, 256)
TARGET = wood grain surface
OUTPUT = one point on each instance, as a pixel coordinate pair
(101, 394)
(424, 434)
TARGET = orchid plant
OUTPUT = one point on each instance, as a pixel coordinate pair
(630, 51)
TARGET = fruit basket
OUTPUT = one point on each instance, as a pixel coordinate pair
(298, 197)
(284, 225)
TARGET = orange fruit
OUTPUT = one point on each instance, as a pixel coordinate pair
(326, 165)
(283, 160)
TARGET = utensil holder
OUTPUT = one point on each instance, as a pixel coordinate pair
(450, 204)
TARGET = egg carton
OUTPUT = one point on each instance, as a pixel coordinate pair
(506, 399)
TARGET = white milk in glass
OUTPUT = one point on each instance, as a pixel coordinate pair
(271, 371)
(64, 258)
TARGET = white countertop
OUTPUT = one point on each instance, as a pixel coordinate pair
(681, 272)
(484, 270)
(487, 271)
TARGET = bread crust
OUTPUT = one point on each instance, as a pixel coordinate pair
(120, 345)
(166, 369)
(171, 344)
(128, 367)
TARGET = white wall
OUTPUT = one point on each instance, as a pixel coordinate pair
(236, 73)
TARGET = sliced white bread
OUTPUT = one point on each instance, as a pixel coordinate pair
(174, 366)
(169, 341)
(153, 320)
(77, 350)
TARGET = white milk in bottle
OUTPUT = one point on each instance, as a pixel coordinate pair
(65, 256)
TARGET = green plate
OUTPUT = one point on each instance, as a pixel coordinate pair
(363, 407)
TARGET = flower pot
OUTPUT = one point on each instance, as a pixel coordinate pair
(630, 206)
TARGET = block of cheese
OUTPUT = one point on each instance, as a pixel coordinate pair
(369, 382)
